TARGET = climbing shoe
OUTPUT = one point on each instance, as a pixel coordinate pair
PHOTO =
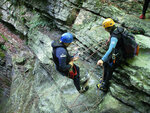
(85, 83)
(101, 79)
(142, 16)
(102, 87)
(83, 89)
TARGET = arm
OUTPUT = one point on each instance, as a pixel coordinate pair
(62, 55)
(112, 45)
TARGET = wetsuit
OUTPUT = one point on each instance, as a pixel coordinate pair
(61, 59)
(145, 6)
(115, 48)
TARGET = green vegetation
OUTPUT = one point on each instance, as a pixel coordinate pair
(2, 54)
(0, 15)
(40, 21)
(2, 46)
(3, 37)
(16, 2)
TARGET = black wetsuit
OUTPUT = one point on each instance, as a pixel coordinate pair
(145, 6)
(109, 66)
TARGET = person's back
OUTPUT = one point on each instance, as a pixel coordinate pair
(61, 56)
(126, 44)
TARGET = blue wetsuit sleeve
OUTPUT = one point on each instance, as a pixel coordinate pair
(61, 54)
(112, 45)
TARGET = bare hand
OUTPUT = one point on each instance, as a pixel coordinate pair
(100, 62)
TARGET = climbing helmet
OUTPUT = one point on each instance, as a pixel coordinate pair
(66, 38)
(108, 23)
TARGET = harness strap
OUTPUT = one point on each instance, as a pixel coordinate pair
(72, 73)
(137, 50)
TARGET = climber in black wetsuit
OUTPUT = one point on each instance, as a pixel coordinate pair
(145, 6)
(114, 55)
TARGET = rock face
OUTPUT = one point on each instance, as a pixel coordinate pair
(36, 85)
(5, 71)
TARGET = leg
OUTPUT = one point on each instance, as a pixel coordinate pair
(145, 6)
(105, 70)
(77, 79)
(107, 75)
(77, 82)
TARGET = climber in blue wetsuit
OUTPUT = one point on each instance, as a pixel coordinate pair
(113, 56)
(64, 62)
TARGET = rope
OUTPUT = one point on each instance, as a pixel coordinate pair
(91, 47)
(95, 52)
(69, 107)
(80, 94)
(75, 101)
(60, 89)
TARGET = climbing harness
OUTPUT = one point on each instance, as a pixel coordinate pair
(72, 73)
(114, 58)
(90, 76)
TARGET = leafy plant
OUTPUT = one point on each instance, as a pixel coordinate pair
(3, 37)
(2, 54)
(40, 21)
(3, 47)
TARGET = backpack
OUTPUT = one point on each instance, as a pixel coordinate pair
(130, 47)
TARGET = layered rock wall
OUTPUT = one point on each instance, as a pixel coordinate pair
(43, 89)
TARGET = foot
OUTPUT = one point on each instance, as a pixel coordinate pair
(85, 83)
(83, 89)
(142, 16)
(101, 79)
(102, 87)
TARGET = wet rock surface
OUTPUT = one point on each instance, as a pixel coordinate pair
(38, 88)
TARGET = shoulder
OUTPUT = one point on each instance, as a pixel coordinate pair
(117, 32)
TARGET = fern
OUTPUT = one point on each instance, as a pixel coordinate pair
(38, 21)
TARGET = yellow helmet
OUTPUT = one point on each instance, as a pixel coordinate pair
(108, 23)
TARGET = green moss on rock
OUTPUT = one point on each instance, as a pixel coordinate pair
(3, 37)
(2, 54)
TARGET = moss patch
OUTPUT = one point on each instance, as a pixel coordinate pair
(39, 21)
(2, 54)
(3, 37)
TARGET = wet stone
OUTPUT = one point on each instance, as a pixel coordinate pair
(20, 61)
